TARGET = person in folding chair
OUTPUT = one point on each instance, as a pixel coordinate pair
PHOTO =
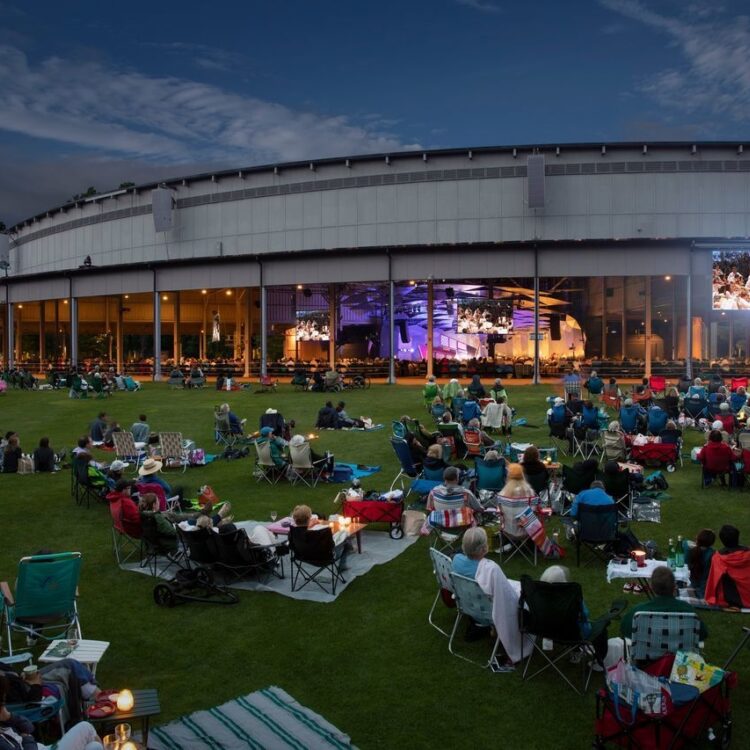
(558, 419)
(594, 385)
(472, 562)
(581, 427)
(716, 459)
(727, 418)
(657, 419)
(450, 495)
(738, 399)
(728, 583)
(303, 517)
(633, 417)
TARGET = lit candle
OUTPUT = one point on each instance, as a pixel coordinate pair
(128, 746)
(125, 700)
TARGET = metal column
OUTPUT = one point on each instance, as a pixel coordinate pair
(118, 335)
(73, 305)
(535, 378)
(107, 329)
(647, 335)
(248, 353)
(157, 336)
(430, 325)
(176, 330)
(624, 319)
(19, 333)
(604, 317)
(331, 326)
(263, 332)
(689, 325)
(9, 332)
(392, 328)
(42, 334)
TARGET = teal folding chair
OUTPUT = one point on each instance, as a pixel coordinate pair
(44, 603)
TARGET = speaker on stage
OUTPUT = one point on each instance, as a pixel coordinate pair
(4, 251)
(535, 180)
(554, 327)
(403, 331)
(162, 206)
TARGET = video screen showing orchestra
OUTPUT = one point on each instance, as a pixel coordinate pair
(312, 326)
(485, 316)
(730, 285)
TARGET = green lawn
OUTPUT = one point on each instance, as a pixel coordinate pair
(368, 662)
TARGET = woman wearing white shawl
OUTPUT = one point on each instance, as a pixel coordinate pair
(504, 593)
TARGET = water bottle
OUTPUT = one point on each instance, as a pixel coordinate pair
(679, 557)
(671, 555)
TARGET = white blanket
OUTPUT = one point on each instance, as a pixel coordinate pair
(504, 594)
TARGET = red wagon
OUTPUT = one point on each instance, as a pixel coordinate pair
(377, 511)
(656, 454)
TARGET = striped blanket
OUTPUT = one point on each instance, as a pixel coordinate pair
(268, 719)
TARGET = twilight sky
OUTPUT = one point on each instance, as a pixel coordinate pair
(101, 93)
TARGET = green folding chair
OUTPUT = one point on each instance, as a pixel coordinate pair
(44, 603)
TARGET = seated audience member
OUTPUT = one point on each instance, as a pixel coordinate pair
(149, 472)
(498, 391)
(633, 417)
(197, 378)
(125, 508)
(114, 427)
(516, 487)
(612, 390)
(642, 393)
(595, 495)
(298, 440)
(671, 433)
(476, 388)
(274, 419)
(697, 389)
(450, 391)
(448, 418)
(716, 457)
(98, 427)
(437, 408)
(95, 473)
(558, 418)
(719, 427)
(490, 473)
(44, 456)
(114, 472)
(698, 559)
(728, 583)
(141, 430)
(594, 385)
(11, 455)
(470, 409)
(176, 375)
(303, 516)
(475, 424)
(589, 418)
(276, 445)
(531, 463)
(327, 417)
(83, 445)
(472, 562)
(672, 403)
(450, 495)
(431, 391)
(433, 460)
(574, 404)
(683, 384)
(738, 399)
(657, 419)
(344, 420)
(236, 424)
(715, 383)
(615, 445)
(664, 588)
(148, 507)
(727, 419)
(571, 382)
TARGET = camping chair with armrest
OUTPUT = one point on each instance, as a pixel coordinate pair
(512, 533)
(303, 468)
(614, 447)
(558, 431)
(617, 486)
(441, 568)
(420, 484)
(156, 547)
(659, 633)
(172, 450)
(125, 546)
(657, 384)
(267, 384)
(101, 390)
(473, 443)
(196, 548)
(737, 383)
(126, 449)
(457, 407)
(44, 602)
(695, 408)
(265, 466)
(587, 444)
(552, 612)
(472, 602)
(452, 432)
(83, 489)
(448, 526)
(424, 438)
(313, 555)
(540, 483)
(165, 503)
(223, 434)
(596, 529)
(575, 480)
(236, 556)
(489, 476)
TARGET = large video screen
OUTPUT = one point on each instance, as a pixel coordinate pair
(484, 316)
(730, 286)
(312, 325)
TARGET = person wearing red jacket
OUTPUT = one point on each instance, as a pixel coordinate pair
(727, 419)
(728, 582)
(125, 514)
(716, 457)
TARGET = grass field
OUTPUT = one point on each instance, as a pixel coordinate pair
(368, 662)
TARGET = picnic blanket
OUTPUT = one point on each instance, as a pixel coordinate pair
(356, 429)
(268, 719)
(358, 471)
(694, 601)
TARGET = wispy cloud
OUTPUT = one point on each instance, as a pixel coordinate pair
(714, 74)
(167, 119)
(483, 6)
(203, 55)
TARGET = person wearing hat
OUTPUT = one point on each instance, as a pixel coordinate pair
(275, 420)
(276, 444)
(116, 468)
(717, 426)
(149, 472)
(498, 391)
(633, 417)
(299, 440)
(558, 418)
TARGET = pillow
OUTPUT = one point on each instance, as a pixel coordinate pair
(262, 536)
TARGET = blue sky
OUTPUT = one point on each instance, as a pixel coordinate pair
(96, 94)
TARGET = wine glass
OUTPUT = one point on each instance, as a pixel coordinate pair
(274, 515)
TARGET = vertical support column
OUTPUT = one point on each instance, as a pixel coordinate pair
(535, 377)
(248, 353)
(237, 348)
(604, 317)
(177, 330)
(392, 332)
(430, 324)
(624, 319)
(332, 325)
(675, 321)
(204, 332)
(689, 323)
(731, 337)
(263, 333)
(73, 305)
(647, 337)
(108, 328)
(157, 336)
(119, 335)
(57, 330)
(19, 332)
(9, 332)
(42, 335)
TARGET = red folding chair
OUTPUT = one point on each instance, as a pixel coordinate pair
(473, 442)
(658, 383)
(738, 383)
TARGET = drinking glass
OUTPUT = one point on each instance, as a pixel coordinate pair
(122, 732)
(110, 742)
(274, 515)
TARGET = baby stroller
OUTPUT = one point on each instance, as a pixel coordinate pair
(687, 723)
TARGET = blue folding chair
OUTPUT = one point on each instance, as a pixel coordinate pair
(44, 604)
(419, 484)
(489, 476)
(695, 408)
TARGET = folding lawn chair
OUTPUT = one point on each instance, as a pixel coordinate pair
(267, 384)
(451, 431)
(448, 527)
(124, 545)
(737, 383)
(236, 556)
(512, 532)
(420, 484)
(695, 408)
(596, 530)
(223, 434)
(472, 602)
(156, 548)
(473, 442)
(441, 568)
(172, 449)
(659, 633)
(588, 445)
(83, 489)
(126, 449)
(540, 483)
(303, 468)
(574, 480)
(44, 598)
(265, 468)
(657, 383)
(559, 434)
(197, 551)
(313, 555)
(552, 612)
(617, 486)
(489, 476)
(614, 447)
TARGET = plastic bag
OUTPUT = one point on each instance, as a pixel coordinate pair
(207, 495)
(639, 690)
(646, 509)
